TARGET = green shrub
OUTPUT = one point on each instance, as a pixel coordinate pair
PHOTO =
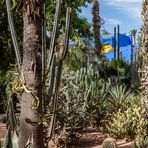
(129, 123)
(74, 59)
(2, 92)
(117, 68)
(82, 101)
(71, 113)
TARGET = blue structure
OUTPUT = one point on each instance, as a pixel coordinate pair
(126, 53)
(125, 45)
(109, 39)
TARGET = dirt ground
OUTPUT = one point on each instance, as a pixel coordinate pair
(91, 138)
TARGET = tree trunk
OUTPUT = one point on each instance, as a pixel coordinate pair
(32, 70)
(96, 27)
(144, 78)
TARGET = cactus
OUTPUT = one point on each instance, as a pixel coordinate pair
(13, 31)
(140, 142)
(58, 75)
(110, 143)
(54, 32)
(52, 78)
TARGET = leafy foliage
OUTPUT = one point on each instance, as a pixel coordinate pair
(74, 59)
(2, 92)
(7, 53)
(79, 26)
(117, 68)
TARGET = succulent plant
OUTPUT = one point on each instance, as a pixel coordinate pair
(140, 142)
(110, 143)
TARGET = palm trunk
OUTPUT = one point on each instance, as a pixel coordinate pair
(145, 54)
(133, 33)
(32, 70)
(96, 27)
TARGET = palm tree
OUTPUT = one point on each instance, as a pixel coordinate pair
(96, 26)
(145, 52)
(32, 70)
(133, 32)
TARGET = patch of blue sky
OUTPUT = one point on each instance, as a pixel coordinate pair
(126, 13)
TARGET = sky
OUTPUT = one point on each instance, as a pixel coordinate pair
(126, 13)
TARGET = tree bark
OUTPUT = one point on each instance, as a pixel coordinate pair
(96, 27)
(32, 71)
(144, 52)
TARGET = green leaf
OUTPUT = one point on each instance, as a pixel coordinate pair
(8, 139)
(15, 140)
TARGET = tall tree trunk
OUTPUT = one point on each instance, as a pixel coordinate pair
(32, 70)
(96, 27)
(145, 53)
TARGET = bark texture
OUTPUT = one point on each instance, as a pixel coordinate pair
(145, 54)
(32, 70)
(96, 26)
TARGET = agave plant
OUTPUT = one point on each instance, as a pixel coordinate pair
(119, 97)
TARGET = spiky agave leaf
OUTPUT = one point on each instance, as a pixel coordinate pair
(119, 96)
(8, 139)
(30, 142)
(11, 114)
(15, 140)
